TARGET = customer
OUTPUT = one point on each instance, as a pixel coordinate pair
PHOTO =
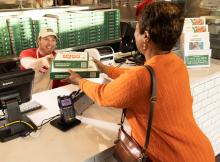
(141, 6)
(175, 136)
(39, 59)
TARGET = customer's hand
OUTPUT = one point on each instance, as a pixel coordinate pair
(74, 78)
(43, 64)
(100, 65)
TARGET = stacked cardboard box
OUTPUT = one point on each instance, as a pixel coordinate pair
(77, 61)
(71, 32)
(102, 25)
(112, 23)
(97, 31)
(21, 33)
(73, 28)
(5, 45)
(195, 44)
(77, 28)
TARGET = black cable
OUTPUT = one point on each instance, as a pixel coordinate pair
(120, 64)
(75, 93)
(45, 121)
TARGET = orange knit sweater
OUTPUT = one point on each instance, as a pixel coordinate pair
(175, 136)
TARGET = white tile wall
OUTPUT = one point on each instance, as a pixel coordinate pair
(206, 109)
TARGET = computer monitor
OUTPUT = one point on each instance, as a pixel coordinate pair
(15, 89)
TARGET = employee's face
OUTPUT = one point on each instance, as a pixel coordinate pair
(139, 38)
(47, 45)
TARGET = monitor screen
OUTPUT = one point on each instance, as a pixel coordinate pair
(16, 82)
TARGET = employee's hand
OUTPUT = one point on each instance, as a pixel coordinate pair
(44, 63)
(100, 65)
(74, 78)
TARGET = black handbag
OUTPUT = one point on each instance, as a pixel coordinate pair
(126, 148)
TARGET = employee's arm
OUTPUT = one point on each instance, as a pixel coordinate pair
(40, 65)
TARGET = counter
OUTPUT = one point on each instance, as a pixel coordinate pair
(96, 133)
(205, 89)
(99, 125)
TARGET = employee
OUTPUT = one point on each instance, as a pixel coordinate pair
(175, 135)
(43, 3)
(40, 59)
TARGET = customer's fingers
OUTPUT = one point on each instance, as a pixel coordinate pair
(74, 75)
(71, 72)
(74, 78)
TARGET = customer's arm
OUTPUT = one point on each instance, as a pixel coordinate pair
(119, 93)
(111, 71)
(122, 92)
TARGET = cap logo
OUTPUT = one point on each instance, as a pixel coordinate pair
(49, 30)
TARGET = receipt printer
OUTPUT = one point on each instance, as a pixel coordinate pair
(105, 54)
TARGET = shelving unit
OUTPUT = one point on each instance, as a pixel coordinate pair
(109, 35)
(90, 45)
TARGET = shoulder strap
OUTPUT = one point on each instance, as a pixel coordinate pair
(122, 117)
(152, 102)
(151, 112)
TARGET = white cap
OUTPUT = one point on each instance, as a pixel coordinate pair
(46, 32)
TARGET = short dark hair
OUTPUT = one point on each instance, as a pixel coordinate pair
(164, 22)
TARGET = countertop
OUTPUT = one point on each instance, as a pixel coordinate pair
(199, 74)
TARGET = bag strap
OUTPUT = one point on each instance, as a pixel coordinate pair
(151, 112)
(152, 102)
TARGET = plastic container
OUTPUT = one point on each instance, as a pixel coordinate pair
(213, 24)
(216, 53)
(215, 45)
(215, 42)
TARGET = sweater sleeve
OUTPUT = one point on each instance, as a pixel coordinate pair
(114, 72)
(119, 93)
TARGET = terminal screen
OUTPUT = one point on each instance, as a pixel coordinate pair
(66, 102)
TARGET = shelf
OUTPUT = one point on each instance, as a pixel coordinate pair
(90, 45)
(52, 9)
(11, 58)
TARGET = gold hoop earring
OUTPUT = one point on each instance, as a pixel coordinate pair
(144, 45)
